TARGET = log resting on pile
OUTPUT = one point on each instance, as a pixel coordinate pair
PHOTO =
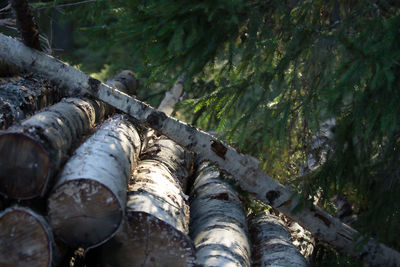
(20, 97)
(156, 225)
(218, 223)
(244, 168)
(86, 206)
(31, 153)
(271, 243)
(25, 239)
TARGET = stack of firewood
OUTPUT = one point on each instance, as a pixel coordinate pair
(71, 178)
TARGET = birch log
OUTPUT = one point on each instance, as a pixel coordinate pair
(244, 168)
(156, 226)
(20, 97)
(25, 239)
(272, 244)
(46, 139)
(218, 224)
(87, 204)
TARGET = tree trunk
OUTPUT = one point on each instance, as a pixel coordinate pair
(272, 244)
(26, 24)
(25, 239)
(46, 139)
(172, 97)
(218, 224)
(156, 226)
(244, 168)
(87, 204)
(21, 97)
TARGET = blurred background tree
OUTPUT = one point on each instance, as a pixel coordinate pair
(265, 74)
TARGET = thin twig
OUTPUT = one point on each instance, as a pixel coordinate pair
(69, 4)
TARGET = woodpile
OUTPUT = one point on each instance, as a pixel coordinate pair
(126, 206)
(147, 220)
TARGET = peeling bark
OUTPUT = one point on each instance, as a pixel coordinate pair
(155, 229)
(218, 224)
(244, 168)
(20, 97)
(272, 244)
(25, 239)
(87, 203)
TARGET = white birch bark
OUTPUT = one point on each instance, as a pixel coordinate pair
(20, 97)
(87, 204)
(271, 243)
(244, 168)
(156, 225)
(218, 224)
(25, 239)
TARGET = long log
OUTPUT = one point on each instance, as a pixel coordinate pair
(45, 139)
(20, 97)
(86, 206)
(155, 229)
(244, 168)
(218, 224)
(272, 244)
(25, 239)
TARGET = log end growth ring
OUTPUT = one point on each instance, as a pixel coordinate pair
(23, 240)
(84, 213)
(24, 166)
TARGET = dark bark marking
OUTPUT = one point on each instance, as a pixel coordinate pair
(219, 149)
(345, 237)
(221, 196)
(94, 84)
(271, 196)
(287, 202)
(156, 119)
(323, 219)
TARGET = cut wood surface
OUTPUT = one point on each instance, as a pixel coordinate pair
(20, 97)
(45, 140)
(271, 243)
(25, 239)
(218, 224)
(86, 206)
(244, 168)
(156, 226)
